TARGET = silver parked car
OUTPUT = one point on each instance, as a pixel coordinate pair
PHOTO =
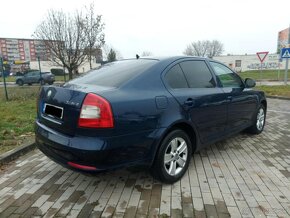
(34, 77)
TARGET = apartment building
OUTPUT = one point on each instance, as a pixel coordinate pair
(12, 49)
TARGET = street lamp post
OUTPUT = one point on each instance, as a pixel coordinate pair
(40, 77)
(4, 79)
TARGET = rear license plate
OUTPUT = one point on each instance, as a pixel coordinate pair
(53, 111)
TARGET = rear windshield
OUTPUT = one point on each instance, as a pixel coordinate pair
(116, 73)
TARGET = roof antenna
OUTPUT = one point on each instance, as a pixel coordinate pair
(137, 56)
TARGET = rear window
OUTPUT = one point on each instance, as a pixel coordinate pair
(116, 73)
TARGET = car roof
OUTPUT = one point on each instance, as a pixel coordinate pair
(167, 58)
(150, 74)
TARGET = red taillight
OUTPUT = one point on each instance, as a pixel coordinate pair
(96, 112)
(82, 167)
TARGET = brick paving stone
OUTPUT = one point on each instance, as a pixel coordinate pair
(165, 202)
(244, 209)
(29, 212)
(6, 203)
(245, 175)
(8, 211)
(187, 210)
(198, 204)
(85, 212)
(234, 212)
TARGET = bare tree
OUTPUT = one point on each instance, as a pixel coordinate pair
(204, 48)
(94, 31)
(215, 49)
(189, 51)
(65, 37)
(146, 53)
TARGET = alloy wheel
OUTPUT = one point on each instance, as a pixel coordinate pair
(176, 155)
(260, 119)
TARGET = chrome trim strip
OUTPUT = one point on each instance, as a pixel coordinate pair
(52, 120)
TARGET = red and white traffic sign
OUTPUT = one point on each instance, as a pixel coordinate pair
(262, 55)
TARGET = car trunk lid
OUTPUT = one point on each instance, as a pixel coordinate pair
(59, 107)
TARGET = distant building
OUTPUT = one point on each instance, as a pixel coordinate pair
(283, 37)
(241, 63)
(12, 49)
(28, 50)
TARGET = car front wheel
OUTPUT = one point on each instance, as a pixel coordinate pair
(173, 157)
(259, 121)
(19, 82)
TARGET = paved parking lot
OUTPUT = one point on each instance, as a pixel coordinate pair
(246, 176)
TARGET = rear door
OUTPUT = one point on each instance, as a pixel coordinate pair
(242, 102)
(194, 87)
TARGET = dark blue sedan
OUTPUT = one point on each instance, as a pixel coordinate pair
(150, 112)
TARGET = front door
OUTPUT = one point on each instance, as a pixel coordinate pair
(242, 104)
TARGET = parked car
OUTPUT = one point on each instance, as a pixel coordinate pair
(34, 77)
(151, 112)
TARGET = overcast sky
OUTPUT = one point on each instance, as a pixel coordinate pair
(164, 27)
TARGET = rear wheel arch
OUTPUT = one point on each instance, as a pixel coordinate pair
(173, 157)
(187, 128)
(189, 131)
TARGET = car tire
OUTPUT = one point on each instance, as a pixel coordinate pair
(50, 83)
(173, 157)
(259, 121)
(20, 82)
(30, 84)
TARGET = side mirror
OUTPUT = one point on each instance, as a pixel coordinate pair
(250, 83)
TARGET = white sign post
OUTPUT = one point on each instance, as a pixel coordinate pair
(262, 56)
(285, 53)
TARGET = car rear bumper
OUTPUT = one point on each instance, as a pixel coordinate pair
(95, 153)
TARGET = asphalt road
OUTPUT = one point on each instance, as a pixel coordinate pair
(243, 176)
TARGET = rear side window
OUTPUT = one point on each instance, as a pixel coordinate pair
(116, 73)
(175, 78)
(197, 74)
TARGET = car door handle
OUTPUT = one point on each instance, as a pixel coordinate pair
(230, 98)
(189, 102)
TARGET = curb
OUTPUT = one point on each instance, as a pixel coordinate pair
(278, 97)
(17, 152)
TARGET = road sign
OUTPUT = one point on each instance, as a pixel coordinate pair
(285, 53)
(262, 55)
